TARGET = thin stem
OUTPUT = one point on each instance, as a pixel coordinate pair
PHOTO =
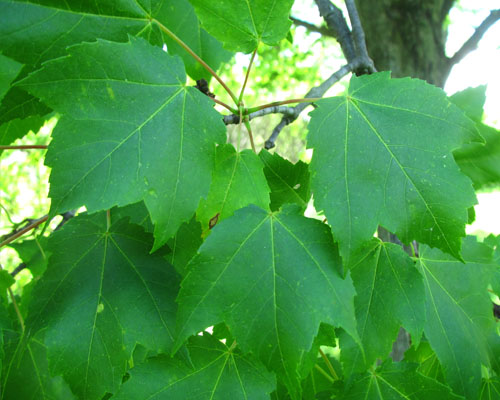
(233, 110)
(16, 308)
(24, 230)
(108, 220)
(323, 372)
(8, 215)
(329, 365)
(280, 103)
(25, 147)
(249, 129)
(247, 74)
(197, 58)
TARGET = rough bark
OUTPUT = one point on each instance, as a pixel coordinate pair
(407, 37)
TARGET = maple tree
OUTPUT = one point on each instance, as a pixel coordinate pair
(194, 273)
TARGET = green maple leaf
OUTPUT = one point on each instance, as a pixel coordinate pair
(273, 278)
(217, 372)
(27, 374)
(68, 23)
(237, 181)
(390, 294)
(146, 135)
(256, 21)
(382, 156)
(102, 294)
(289, 182)
(459, 316)
(397, 381)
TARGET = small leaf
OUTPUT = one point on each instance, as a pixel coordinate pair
(242, 24)
(237, 181)
(289, 182)
(217, 373)
(471, 100)
(390, 294)
(382, 156)
(459, 315)
(397, 381)
(273, 278)
(481, 162)
(146, 135)
(102, 294)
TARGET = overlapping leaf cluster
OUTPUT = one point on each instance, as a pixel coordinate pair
(184, 234)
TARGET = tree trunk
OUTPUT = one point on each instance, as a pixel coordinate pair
(407, 37)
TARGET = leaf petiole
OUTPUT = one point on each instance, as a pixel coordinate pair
(196, 57)
(247, 74)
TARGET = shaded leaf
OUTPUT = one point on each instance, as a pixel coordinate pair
(101, 294)
(34, 254)
(390, 294)
(257, 21)
(272, 278)
(289, 182)
(146, 135)
(238, 180)
(184, 244)
(27, 376)
(428, 360)
(9, 69)
(490, 389)
(17, 128)
(217, 373)
(397, 381)
(459, 312)
(382, 156)
(137, 213)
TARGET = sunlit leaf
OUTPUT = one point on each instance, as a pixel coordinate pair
(382, 156)
(258, 21)
(146, 135)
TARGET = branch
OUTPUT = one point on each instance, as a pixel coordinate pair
(336, 22)
(235, 119)
(359, 36)
(318, 91)
(18, 233)
(472, 42)
(313, 28)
